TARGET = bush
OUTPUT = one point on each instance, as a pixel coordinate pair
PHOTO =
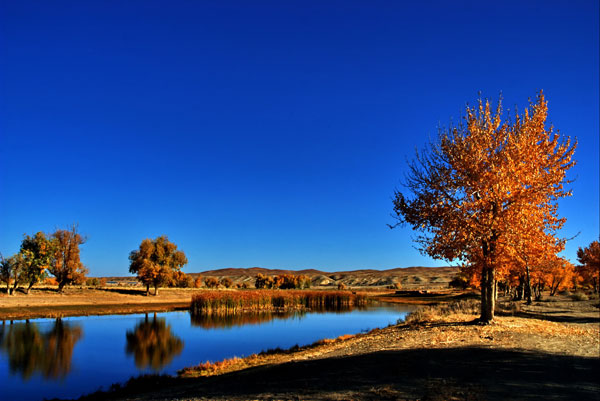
(226, 282)
(435, 312)
(459, 282)
(580, 296)
(211, 282)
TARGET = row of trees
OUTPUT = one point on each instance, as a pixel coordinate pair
(552, 274)
(42, 254)
(284, 281)
(485, 194)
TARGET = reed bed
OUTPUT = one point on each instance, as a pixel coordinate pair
(234, 302)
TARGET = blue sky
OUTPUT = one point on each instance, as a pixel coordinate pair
(268, 135)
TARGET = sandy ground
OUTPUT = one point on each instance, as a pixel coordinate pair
(549, 350)
(79, 302)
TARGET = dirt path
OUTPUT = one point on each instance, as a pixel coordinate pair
(518, 357)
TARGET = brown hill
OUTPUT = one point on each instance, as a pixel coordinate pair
(415, 277)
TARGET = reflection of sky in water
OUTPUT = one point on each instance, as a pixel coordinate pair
(99, 356)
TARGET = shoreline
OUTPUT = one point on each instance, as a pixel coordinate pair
(542, 358)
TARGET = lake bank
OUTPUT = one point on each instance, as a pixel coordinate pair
(546, 350)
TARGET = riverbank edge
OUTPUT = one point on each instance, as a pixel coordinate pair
(75, 310)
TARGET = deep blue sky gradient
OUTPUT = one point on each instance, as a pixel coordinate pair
(268, 135)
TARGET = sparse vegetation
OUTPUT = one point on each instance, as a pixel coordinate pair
(437, 312)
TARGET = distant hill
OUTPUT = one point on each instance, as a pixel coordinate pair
(407, 277)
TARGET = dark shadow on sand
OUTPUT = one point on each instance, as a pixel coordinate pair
(471, 373)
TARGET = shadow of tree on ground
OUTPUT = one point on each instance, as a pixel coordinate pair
(469, 373)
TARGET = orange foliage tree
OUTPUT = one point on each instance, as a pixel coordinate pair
(65, 264)
(589, 258)
(470, 192)
(156, 261)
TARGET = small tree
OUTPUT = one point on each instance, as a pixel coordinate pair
(226, 282)
(211, 282)
(589, 258)
(65, 264)
(10, 272)
(155, 262)
(36, 253)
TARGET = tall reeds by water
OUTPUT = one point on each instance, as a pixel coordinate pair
(232, 302)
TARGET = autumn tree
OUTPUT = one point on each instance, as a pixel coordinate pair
(11, 270)
(65, 263)
(36, 253)
(470, 192)
(589, 258)
(156, 261)
(211, 282)
(226, 282)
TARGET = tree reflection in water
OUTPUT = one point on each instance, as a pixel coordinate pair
(223, 321)
(239, 319)
(29, 350)
(153, 344)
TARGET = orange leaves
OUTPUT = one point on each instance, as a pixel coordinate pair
(589, 270)
(156, 261)
(486, 192)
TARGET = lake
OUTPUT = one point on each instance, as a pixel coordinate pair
(69, 357)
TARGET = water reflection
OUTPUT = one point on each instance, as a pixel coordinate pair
(239, 319)
(152, 343)
(29, 350)
(223, 321)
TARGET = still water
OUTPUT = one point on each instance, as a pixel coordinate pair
(68, 357)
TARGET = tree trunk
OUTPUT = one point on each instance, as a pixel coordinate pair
(155, 289)
(61, 285)
(495, 290)
(147, 289)
(8, 292)
(488, 279)
(528, 285)
(29, 287)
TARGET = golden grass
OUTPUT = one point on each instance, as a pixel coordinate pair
(232, 302)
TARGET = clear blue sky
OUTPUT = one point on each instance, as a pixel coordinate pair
(269, 135)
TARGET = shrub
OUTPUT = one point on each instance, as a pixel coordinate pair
(579, 296)
(226, 282)
(211, 282)
(436, 312)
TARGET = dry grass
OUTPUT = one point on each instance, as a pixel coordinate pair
(233, 302)
(441, 311)
(209, 368)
